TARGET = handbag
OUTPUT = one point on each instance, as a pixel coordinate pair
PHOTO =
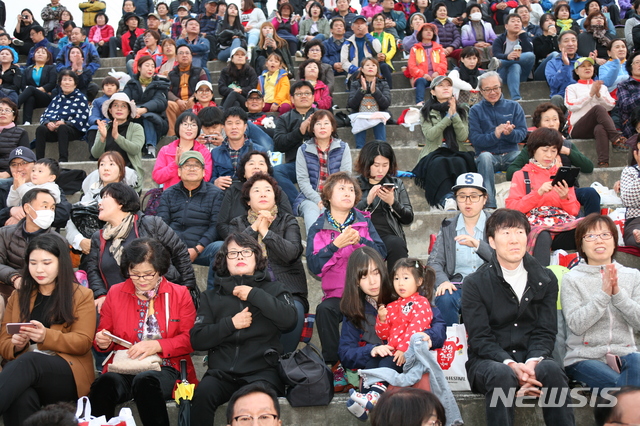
(85, 218)
(309, 380)
(469, 97)
(548, 216)
(369, 104)
(122, 364)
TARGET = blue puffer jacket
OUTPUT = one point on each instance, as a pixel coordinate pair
(193, 215)
(222, 165)
(485, 117)
(448, 34)
(356, 344)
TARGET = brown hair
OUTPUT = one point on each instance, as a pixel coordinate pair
(144, 59)
(245, 195)
(544, 107)
(587, 20)
(280, 42)
(364, 61)
(323, 113)
(330, 184)
(591, 222)
(420, 272)
(14, 108)
(49, 60)
(117, 158)
(544, 137)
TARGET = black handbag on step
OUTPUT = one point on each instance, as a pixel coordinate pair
(309, 381)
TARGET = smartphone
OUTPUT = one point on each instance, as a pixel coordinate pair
(567, 174)
(389, 185)
(613, 361)
(14, 327)
(118, 340)
(270, 36)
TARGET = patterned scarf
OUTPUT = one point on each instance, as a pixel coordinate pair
(252, 216)
(535, 163)
(117, 235)
(564, 24)
(341, 227)
(599, 34)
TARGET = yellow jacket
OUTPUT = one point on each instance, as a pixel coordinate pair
(388, 43)
(89, 11)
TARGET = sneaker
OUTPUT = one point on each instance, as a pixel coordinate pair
(494, 64)
(339, 381)
(152, 150)
(450, 205)
(620, 144)
(17, 42)
(147, 153)
(603, 164)
(299, 54)
(357, 410)
(27, 123)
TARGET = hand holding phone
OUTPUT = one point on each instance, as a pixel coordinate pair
(14, 327)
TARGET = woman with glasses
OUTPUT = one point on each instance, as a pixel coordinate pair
(239, 323)
(165, 170)
(601, 306)
(550, 208)
(119, 207)
(154, 315)
(461, 246)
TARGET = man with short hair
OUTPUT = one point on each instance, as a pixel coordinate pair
(333, 46)
(292, 129)
(209, 24)
(199, 45)
(559, 70)
(191, 209)
(252, 402)
(38, 207)
(227, 156)
(496, 127)
(359, 46)
(342, 11)
(512, 301)
(527, 26)
(39, 40)
(255, 105)
(395, 21)
(21, 162)
(623, 411)
(78, 39)
(515, 52)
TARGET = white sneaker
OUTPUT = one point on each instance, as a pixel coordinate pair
(450, 205)
(151, 150)
(27, 123)
(494, 64)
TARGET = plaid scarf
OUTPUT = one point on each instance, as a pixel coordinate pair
(324, 168)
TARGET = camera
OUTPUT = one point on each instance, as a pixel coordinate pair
(25, 17)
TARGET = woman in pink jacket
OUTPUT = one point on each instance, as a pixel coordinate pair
(427, 60)
(165, 171)
(311, 70)
(551, 209)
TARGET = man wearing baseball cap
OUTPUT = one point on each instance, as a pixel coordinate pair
(359, 46)
(209, 24)
(344, 11)
(21, 161)
(191, 209)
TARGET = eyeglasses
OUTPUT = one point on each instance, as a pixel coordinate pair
(474, 198)
(189, 125)
(491, 89)
(192, 166)
(263, 419)
(18, 165)
(302, 94)
(244, 253)
(6, 111)
(592, 237)
(434, 423)
(146, 277)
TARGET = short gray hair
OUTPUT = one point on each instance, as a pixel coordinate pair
(487, 75)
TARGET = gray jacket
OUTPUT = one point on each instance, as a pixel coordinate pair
(596, 322)
(420, 361)
(443, 256)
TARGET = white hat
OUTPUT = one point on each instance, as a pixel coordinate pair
(470, 180)
(204, 83)
(119, 96)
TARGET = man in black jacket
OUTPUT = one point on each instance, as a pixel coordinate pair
(509, 305)
(191, 209)
(292, 129)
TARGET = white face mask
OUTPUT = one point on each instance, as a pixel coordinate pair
(475, 16)
(44, 218)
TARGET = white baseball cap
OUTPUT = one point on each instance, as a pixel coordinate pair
(469, 180)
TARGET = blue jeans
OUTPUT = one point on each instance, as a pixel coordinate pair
(515, 72)
(259, 136)
(421, 86)
(449, 305)
(150, 132)
(488, 164)
(597, 374)
(225, 54)
(589, 199)
(285, 175)
(379, 133)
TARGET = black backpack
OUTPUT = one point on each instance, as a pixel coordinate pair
(309, 380)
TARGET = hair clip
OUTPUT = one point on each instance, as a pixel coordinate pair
(417, 265)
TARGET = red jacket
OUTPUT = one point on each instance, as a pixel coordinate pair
(125, 40)
(119, 315)
(518, 198)
(105, 34)
(405, 317)
(418, 64)
(400, 8)
(321, 96)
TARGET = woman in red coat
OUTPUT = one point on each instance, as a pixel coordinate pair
(551, 209)
(155, 316)
(427, 60)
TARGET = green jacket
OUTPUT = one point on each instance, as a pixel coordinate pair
(131, 143)
(305, 26)
(433, 131)
(576, 159)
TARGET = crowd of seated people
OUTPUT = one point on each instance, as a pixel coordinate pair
(241, 149)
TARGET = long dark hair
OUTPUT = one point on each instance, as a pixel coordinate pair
(353, 300)
(61, 310)
(237, 23)
(431, 101)
(236, 73)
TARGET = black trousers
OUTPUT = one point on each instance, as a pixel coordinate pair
(30, 99)
(62, 135)
(488, 376)
(32, 381)
(216, 388)
(150, 390)
(234, 99)
(544, 244)
(328, 318)
(396, 250)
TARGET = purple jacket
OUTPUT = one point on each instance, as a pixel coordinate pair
(448, 34)
(469, 35)
(328, 261)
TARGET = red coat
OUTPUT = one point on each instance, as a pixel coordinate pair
(321, 96)
(105, 34)
(125, 40)
(418, 64)
(405, 317)
(518, 198)
(119, 315)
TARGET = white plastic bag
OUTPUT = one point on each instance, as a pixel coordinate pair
(453, 356)
(83, 414)
(361, 121)
(608, 197)
(619, 217)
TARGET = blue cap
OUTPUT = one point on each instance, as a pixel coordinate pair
(360, 17)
